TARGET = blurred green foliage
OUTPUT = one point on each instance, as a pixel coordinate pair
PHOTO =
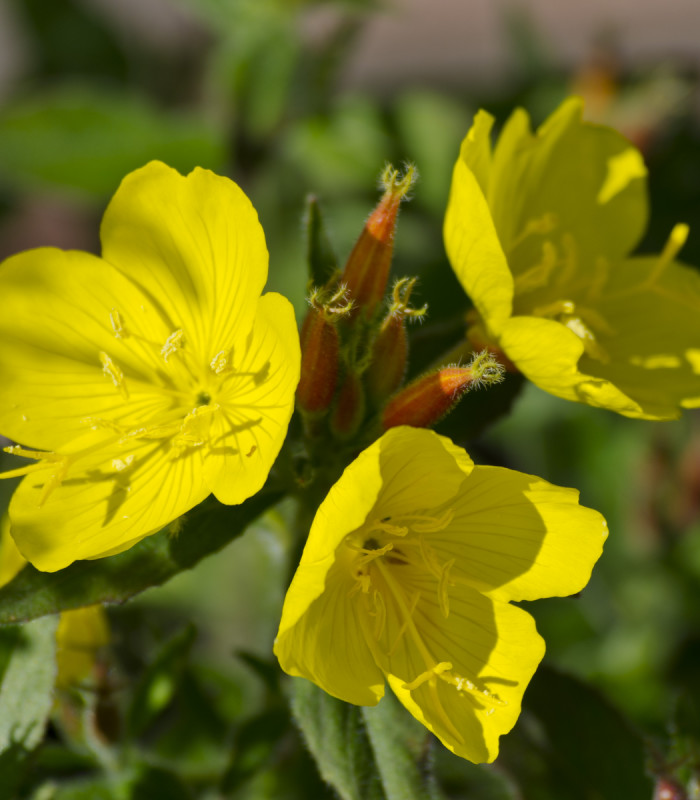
(175, 712)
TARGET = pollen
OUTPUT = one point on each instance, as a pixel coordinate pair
(220, 362)
(174, 342)
(114, 373)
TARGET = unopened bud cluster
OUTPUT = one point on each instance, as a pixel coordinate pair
(354, 356)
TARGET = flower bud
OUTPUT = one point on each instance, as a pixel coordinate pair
(349, 409)
(390, 349)
(366, 272)
(427, 399)
(320, 348)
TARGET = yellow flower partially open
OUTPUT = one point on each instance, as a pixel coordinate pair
(144, 380)
(406, 576)
(539, 230)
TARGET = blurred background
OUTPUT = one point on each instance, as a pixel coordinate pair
(291, 97)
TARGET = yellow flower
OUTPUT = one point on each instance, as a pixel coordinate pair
(80, 633)
(149, 377)
(538, 231)
(406, 576)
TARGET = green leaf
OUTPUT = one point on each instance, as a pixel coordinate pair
(151, 562)
(84, 139)
(26, 694)
(397, 740)
(335, 735)
(158, 684)
(321, 259)
(364, 753)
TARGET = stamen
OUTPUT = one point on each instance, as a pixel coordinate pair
(592, 347)
(387, 527)
(429, 558)
(443, 666)
(112, 371)
(191, 434)
(55, 480)
(117, 326)
(220, 362)
(675, 242)
(481, 693)
(402, 629)
(554, 309)
(542, 225)
(431, 524)
(537, 276)
(443, 597)
(379, 614)
(174, 342)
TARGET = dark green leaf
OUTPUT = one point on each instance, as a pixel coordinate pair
(149, 563)
(581, 747)
(155, 783)
(321, 259)
(254, 746)
(159, 682)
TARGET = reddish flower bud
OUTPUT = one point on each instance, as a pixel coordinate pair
(390, 349)
(389, 355)
(427, 399)
(349, 409)
(320, 348)
(366, 272)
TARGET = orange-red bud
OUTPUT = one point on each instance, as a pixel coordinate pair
(349, 409)
(389, 356)
(320, 348)
(366, 272)
(427, 399)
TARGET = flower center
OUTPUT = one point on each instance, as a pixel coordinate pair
(380, 554)
(189, 395)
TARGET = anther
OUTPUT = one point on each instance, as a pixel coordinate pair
(220, 362)
(117, 325)
(173, 343)
(112, 371)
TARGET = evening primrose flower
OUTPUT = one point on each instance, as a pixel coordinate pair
(407, 575)
(539, 231)
(144, 380)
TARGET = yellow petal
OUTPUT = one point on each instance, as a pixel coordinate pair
(195, 245)
(105, 503)
(472, 243)
(327, 643)
(519, 537)
(548, 353)
(419, 471)
(588, 176)
(58, 309)
(80, 634)
(485, 652)
(475, 151)
(653, 310)
(11, 560)
(256, 404)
